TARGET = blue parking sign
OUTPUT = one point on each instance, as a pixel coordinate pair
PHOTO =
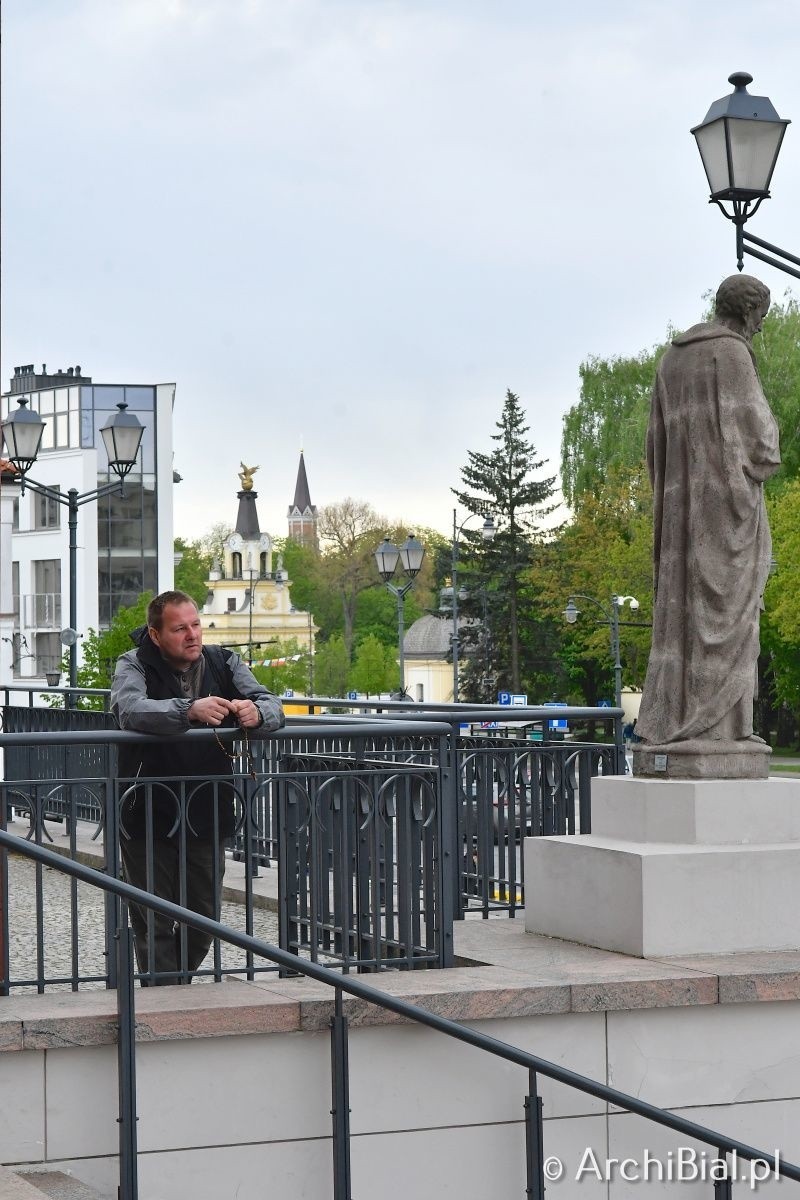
(352, 695)
(504, 697)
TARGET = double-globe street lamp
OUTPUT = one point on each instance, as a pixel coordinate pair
(571, 614)
(739, 140)
(487, 533)
(387, 556)
(122, 435)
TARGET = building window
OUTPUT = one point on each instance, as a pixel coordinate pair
(46, 511)
(262, 564)
(15, 592)
(48, 652)
(420, 693)
(231, 604)
(43, 608)
(236, 565)
(15, 513)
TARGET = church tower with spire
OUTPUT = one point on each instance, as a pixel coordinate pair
(302, 513)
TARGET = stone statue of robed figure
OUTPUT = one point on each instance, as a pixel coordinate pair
(712, 441)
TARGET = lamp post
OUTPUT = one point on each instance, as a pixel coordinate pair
(387, 556)
(739, 141)
(571, 614)
(122, 435)
(487, 533)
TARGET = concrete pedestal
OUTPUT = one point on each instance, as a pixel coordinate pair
(674, 867)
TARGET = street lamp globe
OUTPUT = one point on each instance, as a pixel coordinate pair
(571, 613)
(387, 557)
(412, 553)
(122, 435)
(739, 142)
(489, 529)
(22, 434)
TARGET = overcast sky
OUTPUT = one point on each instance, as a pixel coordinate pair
(351, 225)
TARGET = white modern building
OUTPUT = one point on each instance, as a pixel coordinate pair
(124, 543)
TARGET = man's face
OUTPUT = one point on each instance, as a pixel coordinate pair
(180, 638)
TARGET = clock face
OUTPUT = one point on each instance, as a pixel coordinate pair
(264, 542)
(235, 542)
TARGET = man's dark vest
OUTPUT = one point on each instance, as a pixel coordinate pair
(178, 758)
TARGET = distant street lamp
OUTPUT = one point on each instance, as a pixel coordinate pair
(487, 533)
(571, 614)
(739, 141)
(387, 556)
(122, 435)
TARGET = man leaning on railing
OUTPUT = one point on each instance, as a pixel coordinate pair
(171, 683)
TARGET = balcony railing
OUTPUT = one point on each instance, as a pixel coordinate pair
(41, 610)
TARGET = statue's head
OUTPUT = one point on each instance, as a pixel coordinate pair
(742, 301)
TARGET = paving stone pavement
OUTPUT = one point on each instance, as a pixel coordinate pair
(59, 907)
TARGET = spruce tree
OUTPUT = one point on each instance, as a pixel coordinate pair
(503, 483)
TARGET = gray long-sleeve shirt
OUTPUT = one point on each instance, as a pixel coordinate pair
(134, 710)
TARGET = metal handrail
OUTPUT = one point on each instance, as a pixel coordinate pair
(363, 991)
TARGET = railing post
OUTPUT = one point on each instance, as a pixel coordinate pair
(723, 1188)
(534, 1142)
(340, 1096)
(450, 859)
(126, 1060)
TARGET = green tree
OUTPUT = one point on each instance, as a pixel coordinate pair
(780, 625)
(606, 429)
(777, 352)
(503, 483)
(375, 668)
(331, 667)
(191, 573)
(288, 674)
(101, 650)
(605, 550)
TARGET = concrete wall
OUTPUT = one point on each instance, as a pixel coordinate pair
(247, 1116)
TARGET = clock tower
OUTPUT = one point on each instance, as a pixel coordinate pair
(248, 607)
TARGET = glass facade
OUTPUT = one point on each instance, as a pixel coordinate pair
(127, 526)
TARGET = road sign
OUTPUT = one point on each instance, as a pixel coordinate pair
(519, 700)
(558, 723)
(504, 697)
(604, 704)
(288, 693)
(352, 695)
(488, 724)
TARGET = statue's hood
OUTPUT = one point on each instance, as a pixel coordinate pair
(707, 331)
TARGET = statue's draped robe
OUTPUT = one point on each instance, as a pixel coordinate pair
(711, 442)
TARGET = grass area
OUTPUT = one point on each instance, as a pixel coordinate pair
(784, 769)
(785, 752)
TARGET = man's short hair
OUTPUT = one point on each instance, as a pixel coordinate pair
(155, 609)
(738, 294)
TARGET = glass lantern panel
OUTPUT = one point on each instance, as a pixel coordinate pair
(754, 148)
(711, 144)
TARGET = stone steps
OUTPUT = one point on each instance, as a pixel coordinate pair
(33, 1185)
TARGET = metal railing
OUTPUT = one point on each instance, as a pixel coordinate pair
(364, 845)
(726, 1149)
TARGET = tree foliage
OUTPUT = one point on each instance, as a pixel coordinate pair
(780, 625)
(503, 483)
(605, 550)
(375, 668)
(101, 650)
(606, 429)
(331, 667)
(292, 675)
(191, 573)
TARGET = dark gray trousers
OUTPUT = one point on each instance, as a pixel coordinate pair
(201, 896)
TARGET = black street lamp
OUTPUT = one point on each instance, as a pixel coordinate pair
(571, 614)
(487, 533)
(387, 556)
(739, 140)
(122, 435)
